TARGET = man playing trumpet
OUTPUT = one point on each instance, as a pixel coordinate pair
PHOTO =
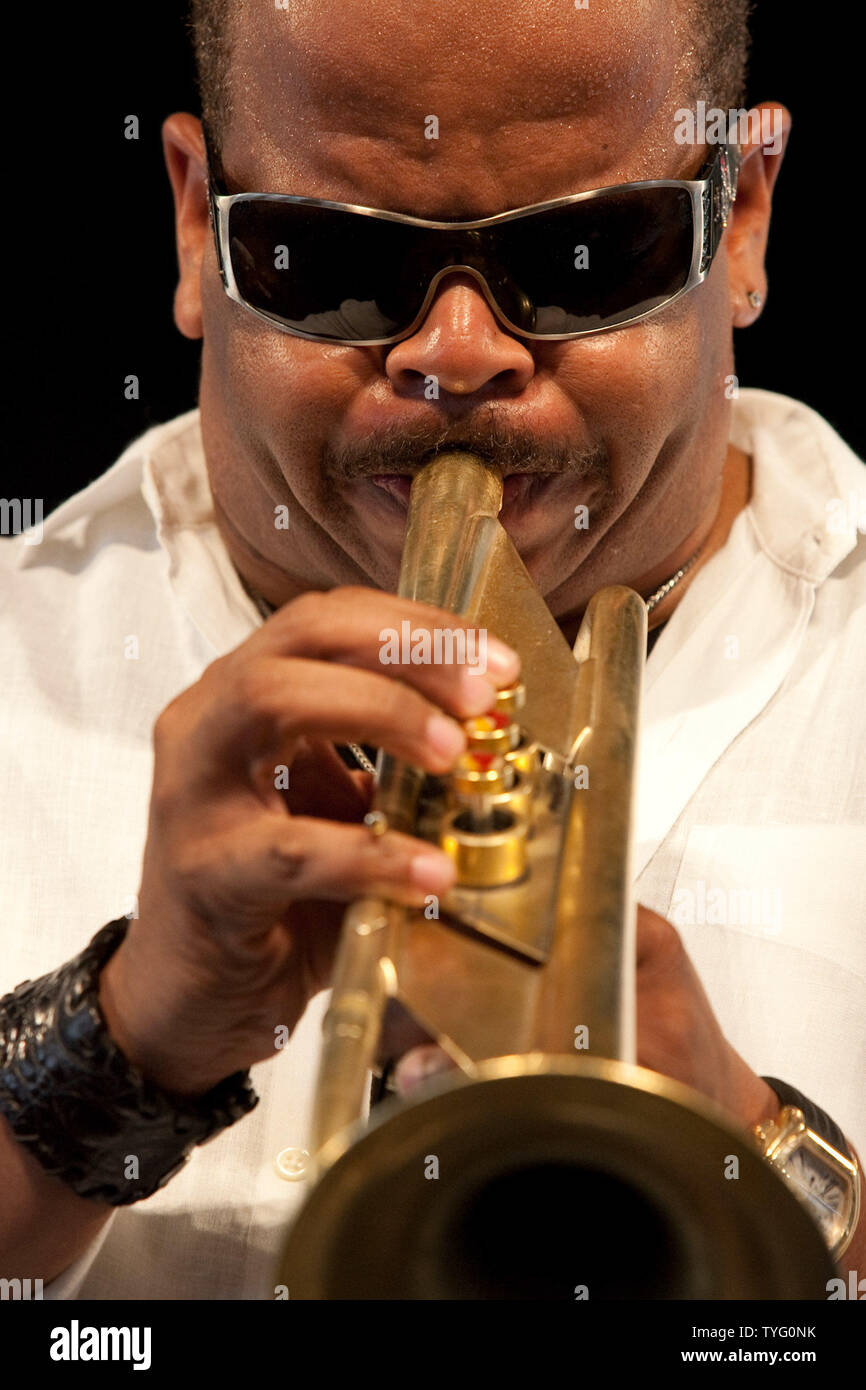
(585, 348)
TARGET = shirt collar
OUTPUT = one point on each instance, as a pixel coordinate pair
(806, 484)
(176, 488)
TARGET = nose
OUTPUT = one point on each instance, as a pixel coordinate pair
(461, 346)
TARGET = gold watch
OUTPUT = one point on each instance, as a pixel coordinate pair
(826, 1181)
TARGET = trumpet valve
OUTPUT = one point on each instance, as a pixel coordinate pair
(486, 834)
(489, 857)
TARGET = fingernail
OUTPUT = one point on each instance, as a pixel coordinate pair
(502, 661)
(433, 873)
(418, 1065)
(477, 694)
(445, 737)
(434, 1063)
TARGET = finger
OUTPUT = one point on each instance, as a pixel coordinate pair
(274, 703)
(368, 629)
(257, 870)
(418, 1066)
(656, 937)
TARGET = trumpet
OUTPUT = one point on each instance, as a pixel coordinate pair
(547, 1164)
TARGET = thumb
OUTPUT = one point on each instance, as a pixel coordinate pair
(418, 1065)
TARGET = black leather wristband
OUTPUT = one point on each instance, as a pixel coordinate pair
(817, 1119)
(73, 1100)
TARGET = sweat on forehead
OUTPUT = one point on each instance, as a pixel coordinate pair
(313, 84)
(543, 51)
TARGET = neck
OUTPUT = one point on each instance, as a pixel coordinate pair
(709, 535)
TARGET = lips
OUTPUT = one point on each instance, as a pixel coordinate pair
(398, 485)
(518, 488)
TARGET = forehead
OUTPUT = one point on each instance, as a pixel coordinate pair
(532, 100)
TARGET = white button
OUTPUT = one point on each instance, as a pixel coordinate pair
(292, 1164)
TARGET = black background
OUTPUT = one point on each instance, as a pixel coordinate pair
(90, 262)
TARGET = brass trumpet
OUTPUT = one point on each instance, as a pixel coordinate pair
(547, 1165)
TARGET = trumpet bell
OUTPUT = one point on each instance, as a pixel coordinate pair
(548, 1179)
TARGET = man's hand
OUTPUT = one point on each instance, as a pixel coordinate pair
(677, 1032)
(679, 1035)
(243, 883)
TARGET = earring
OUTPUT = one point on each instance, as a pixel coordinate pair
(755, 299)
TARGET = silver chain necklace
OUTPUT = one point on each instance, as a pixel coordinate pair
(266, 609)
(664, 589)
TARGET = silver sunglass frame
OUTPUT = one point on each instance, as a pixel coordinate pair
(712, 198)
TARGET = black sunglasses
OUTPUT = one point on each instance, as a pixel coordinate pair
(339, 273)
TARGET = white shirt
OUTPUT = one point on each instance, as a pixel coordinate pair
(750, 817)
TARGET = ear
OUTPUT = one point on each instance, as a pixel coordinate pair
(748, 228)
(183, 147)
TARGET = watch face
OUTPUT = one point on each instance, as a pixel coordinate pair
(820, 1187)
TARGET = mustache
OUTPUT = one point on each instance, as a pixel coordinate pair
(406, 449)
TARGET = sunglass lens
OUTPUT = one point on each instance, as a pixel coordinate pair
(594, 264)
(325, 272)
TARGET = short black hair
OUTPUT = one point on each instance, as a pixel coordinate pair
(721, 55)
(209, 25)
